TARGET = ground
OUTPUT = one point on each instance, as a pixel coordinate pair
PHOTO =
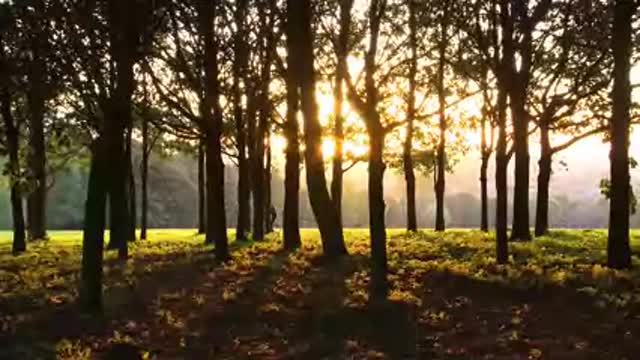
(449, 300)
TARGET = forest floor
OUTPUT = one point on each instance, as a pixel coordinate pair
(449, 300)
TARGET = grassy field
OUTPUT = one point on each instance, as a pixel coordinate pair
(449, 300)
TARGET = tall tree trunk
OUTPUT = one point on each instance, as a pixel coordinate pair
(290, 221)
(485, 155)
(131, 189)
(144, 174)
(342, 52)
(544, 177)
(520, 230)
(504, 83)
(407, 157)
(202, 183)
(11, 130)
(123, 36)
(239, 68)
(502, 247)
(252, 115)
(618, 249)
(264, 115)
(299, 30)
(212, 116)
(442, 140)
(379, 286)
(94, 225)
(36, 201)
(376, 215)
(518, 101)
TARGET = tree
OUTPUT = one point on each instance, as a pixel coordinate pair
(291, 221)
(618, 248)
(240, 64)
(407, 153)
(525, 21)
(301, 44)
(212, 126)
(11, 128)
(443, 40)
(368, 109)
(504, 65)
(37, 96)
(342, 52)
(570, 80)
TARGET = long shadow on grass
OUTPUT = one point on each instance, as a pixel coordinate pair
(470, 318)
(123, 302)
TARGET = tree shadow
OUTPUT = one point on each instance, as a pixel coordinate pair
(124, 302)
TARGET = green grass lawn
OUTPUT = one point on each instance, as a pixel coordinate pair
(449, 300)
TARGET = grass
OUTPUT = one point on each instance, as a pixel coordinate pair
(449, 300)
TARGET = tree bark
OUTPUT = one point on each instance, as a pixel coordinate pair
(504, 84)
(123, 36)
(407, 157)
(144, 174)
(216, 232)
(94, 226)
(618, 248)
(12, 136)
(37, 159)
(202, 183)
(269, 212)
(544, 177)
(379, 286)
(239, 68)
(299, 30)
(342, 52)
(485, 155)
(131, 183)
(518, 101)
(291, 222)
(520, 230)
(441, 161)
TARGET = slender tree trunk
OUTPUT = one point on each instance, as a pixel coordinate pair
(202, 183)
(342, 52)
(216, 217)
(485, 155)
(11, 130)
(520, 115)
(264, 115)
(252, 115)
(544, 177)
(376, 215)
(502, 247)
(291, 222)
(239, 69)
(131, 190)
(144, 174)
(520, 229)
(618, 249)
(299, 18)
(504, 83)
(407, 157)
(94, 226)
(379, 286)
(36, 201)
(442, 140)
(269, 218)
